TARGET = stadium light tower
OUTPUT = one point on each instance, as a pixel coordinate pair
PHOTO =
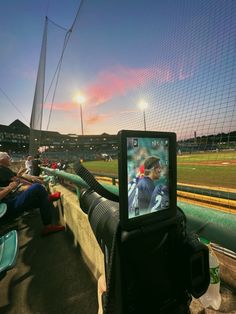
(81, 100)
(143, 105)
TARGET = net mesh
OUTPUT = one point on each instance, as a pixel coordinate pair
(177, 57)
(180, 61)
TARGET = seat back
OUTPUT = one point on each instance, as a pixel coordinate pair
(3, 209)
(8, 251)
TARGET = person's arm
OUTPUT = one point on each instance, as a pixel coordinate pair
(4, 191)
(21, 171)
(31, 178)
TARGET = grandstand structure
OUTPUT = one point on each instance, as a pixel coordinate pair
(15, 139)
(216, 142)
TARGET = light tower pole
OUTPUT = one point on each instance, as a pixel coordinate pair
(80, 100)
(143, 105)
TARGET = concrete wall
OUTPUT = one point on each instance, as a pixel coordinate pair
(77, 223)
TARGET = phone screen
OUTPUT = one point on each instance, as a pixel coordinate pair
(147, 176)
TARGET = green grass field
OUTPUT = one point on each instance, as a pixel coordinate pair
(101, 166)
(207, 157)
(210, 169)
(207, 175)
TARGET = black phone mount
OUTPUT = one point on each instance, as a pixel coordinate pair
(151, 269)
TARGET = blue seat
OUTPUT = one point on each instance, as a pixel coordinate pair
(8, 251)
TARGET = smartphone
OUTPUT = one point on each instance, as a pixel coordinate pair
(17, 188)
(147, 177)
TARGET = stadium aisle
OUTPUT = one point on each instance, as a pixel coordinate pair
(49, 277)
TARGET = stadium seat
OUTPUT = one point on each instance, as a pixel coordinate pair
(8, 251)
(3, 209)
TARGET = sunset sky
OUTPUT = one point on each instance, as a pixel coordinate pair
(166, 53)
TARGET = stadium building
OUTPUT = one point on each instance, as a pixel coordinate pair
(15, 139)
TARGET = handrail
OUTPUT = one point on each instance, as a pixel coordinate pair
(77, 180)
(229, 195)
(217, 226)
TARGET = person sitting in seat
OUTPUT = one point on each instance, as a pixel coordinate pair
(35, 196)
(28, 164)
(35, 169)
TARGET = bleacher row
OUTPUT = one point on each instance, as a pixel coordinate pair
(8, 247)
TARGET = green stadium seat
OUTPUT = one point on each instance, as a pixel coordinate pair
(8, 251)
(3, 209)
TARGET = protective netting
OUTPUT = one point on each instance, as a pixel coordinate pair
(176, 56)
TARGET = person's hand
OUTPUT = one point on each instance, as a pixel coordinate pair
(13, 185)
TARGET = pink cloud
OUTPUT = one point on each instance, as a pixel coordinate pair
(67, 106)
(96, 118)
(119, 80)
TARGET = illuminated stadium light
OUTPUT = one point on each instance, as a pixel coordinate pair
(143, 105)
(80, 99)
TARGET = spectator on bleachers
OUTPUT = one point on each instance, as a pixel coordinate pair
(54, 165)
(28, 165)
(62, 165)
(36, 162)
(35, 196)
(65, 165)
